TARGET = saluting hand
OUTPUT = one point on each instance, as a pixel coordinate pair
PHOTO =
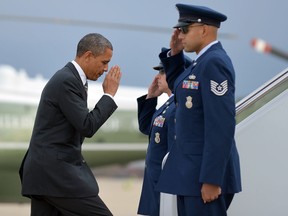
(112, 80)
(153, 90)
(176, 43)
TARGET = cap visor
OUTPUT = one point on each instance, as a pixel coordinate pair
(181, 24)
(158, 68)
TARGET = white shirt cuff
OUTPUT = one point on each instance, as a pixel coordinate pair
(109, 96)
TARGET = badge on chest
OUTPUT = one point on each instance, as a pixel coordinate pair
(157, 137)
(190, 83)
(159, 121)
(189, 103)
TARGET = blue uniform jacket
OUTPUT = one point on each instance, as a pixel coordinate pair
(159, 126)
(204, 150)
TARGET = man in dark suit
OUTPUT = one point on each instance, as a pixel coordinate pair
(54, 173)
(203, 165)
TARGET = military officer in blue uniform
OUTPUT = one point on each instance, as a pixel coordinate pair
(203, 166)
(158, 124)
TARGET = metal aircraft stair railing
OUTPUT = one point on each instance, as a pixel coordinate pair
(262, 141)
(261, 96)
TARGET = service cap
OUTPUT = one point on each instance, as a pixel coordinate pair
(189, 14)
(160, 65)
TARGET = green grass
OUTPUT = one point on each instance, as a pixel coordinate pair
(118, 137)
(10, 160)
(10, 187)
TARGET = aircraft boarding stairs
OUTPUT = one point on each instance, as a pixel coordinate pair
(262, 142)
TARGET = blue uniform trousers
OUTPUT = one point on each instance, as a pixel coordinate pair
(194, 206)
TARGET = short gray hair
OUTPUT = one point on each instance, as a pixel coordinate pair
(94, 42)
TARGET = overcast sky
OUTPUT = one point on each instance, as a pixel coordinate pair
(43, 48)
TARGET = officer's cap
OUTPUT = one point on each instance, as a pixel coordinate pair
(189, 14)
(161, 67)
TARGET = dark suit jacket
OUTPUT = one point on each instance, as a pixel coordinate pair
(54, 165)
(204, 149)
(159, 126)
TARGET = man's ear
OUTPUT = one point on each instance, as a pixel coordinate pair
(205, 30)
(87, 55)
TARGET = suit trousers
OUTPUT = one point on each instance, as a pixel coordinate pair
(55, 206)
(194, 206)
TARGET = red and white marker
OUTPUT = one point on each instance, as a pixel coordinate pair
(263, 47)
